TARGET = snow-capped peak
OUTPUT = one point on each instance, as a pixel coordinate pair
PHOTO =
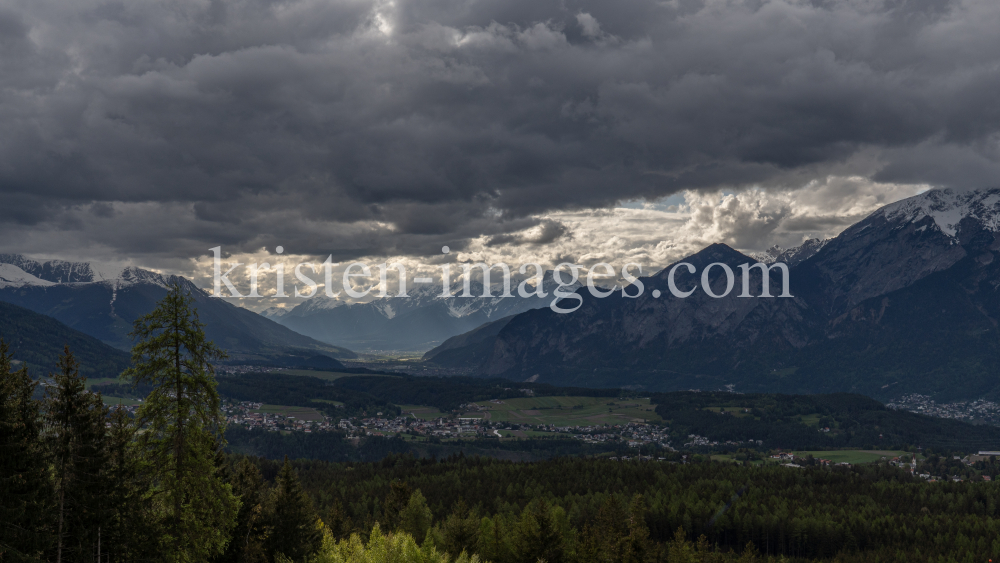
(12, 276)
(804, 251)
(768, 256)
(313, 305)
(274, 312)
(948, 207)
(59, 271)
(792, 256)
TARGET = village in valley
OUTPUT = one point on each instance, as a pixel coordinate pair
(977, 411)
(472, 422)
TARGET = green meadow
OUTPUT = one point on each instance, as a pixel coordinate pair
(325, 375)
(298, 413)
(853, 456)
(124, 401)
(423, 412)
(568, 411)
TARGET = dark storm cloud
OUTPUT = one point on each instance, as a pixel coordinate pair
(547, 231)
(357, 127)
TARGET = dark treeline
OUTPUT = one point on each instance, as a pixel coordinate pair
(122, 390)
(300, 391)
(335, 447)
(864, 513)
(323, 446)
(854, 421)
(364, 395)
(449, 393)
(70, 485)
(522, 449)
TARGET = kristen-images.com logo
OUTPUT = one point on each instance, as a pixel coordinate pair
(565, 296)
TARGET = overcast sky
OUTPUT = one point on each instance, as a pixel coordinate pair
(516, 129)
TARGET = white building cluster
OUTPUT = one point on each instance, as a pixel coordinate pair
(979, 410)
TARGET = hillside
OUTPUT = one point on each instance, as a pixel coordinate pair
(38, 341)
(814, 422)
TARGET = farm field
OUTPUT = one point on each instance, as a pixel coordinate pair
(325, 375)
(424, 412)
(124, 401)
(103, 380)
(568, 411)
(110, 400)
(328, 402)
(853, 456)
(298, 413)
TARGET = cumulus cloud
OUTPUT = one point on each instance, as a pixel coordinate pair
(360, 128)
(649, 235)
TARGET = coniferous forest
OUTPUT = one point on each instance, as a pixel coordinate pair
(82, 482)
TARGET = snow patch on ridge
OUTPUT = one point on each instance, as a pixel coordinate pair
(12, 276)
(385, 308)
(274, 312)
(313, 305)
(792, 256)
(54, 272)
(947, 208)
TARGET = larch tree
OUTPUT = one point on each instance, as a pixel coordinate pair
(295, 531)
(395, 502)
(539, 534)
(182, 428)
(459, 529)
(247, 545)
(416, 518)
(130, 528)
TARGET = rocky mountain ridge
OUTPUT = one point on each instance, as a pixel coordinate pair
(103, 301)
(906, 300)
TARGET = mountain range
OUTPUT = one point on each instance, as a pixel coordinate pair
(906, 300)
(103, 301)
(417, 322)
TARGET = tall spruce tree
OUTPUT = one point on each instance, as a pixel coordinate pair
(295, 532)
(247, 545)
(25, 485)
(183, 428)
(130, 532)
(75, 436)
